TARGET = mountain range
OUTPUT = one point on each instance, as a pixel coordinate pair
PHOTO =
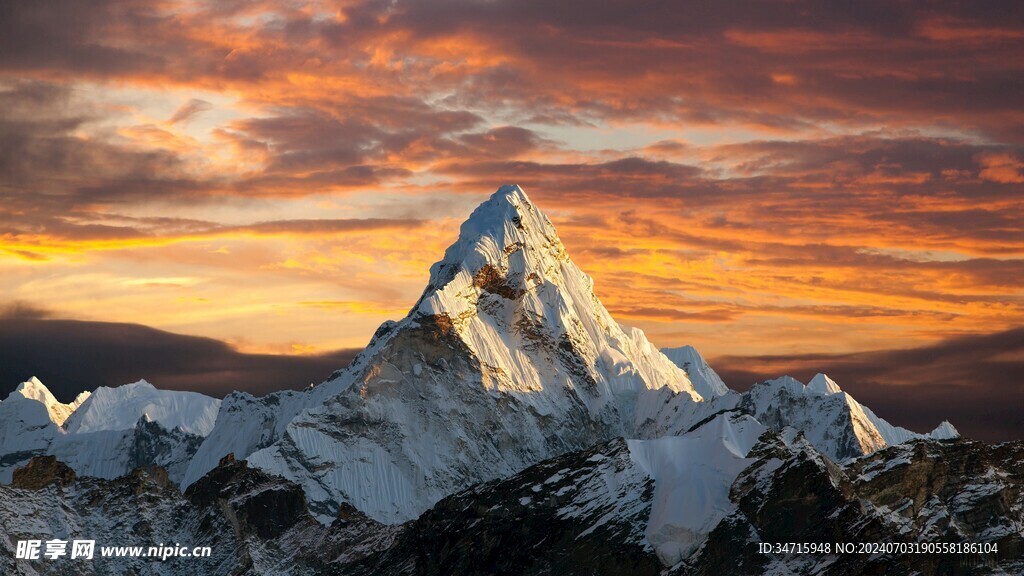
(507, 424)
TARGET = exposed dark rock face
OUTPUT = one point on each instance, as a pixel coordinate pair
(583, 513)
(923, 492)
(254, 523)
(964, 492)
(491, 279)
(152, 444)
(41, 471)
(253, 501)
(143, 508)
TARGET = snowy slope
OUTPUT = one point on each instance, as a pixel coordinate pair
(113, 453)
(692, 475)
(507, 358)
(247, 423)
(705, 380)
(121, 407)
(666, 413)
(895, 435)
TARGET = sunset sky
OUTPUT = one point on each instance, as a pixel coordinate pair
(769, 181)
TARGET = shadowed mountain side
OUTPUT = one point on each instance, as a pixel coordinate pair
(74, 355)
(974, 381)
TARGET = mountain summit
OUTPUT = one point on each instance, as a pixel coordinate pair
(33, 389)
(705, 380)
(507, 358)
(508, 288)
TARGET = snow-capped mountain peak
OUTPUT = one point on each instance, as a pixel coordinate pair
(506, 246)
(33, 389)
(705, 380)
(823, 385)
(26, 426)
(830, 419)
(121, 407)
(507, 284)
(944, 431)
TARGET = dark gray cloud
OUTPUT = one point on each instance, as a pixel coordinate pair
(976, 382)
(73, 35)
(70, 356)
(501, 142)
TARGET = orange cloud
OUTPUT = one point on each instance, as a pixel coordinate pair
(1002, 167)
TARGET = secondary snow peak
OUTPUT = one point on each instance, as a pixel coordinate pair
(944, 431)
(705, 380)
(121, 407)
(34, 389)
(822, 384)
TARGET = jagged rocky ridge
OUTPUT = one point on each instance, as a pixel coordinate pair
(926, 491)
(508, 359)
(253, 523)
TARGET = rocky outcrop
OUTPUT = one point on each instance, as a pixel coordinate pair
(42, 471)
(491, 279)
(253, 523)
(254, 502)
(925, 492)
